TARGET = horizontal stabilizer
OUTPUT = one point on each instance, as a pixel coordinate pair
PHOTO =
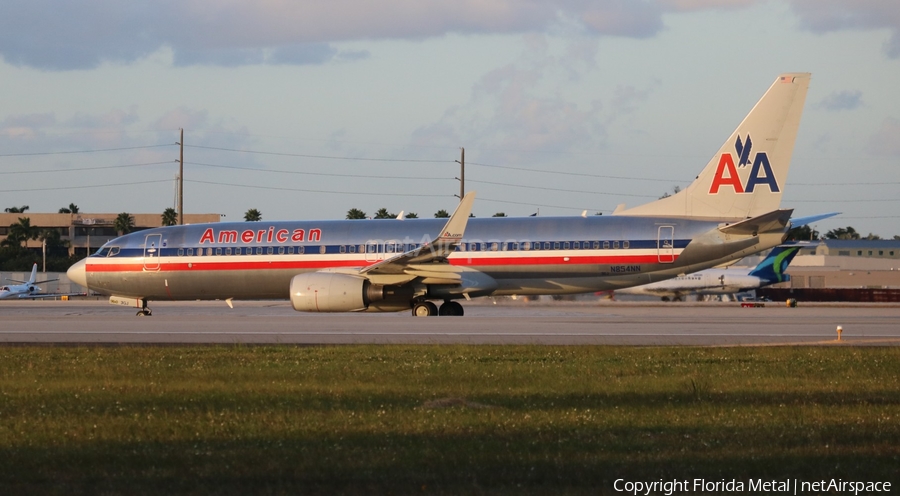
(776, 220)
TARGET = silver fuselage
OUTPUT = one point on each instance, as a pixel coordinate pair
(525, 256)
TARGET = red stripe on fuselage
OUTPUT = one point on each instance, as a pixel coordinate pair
(222, 265)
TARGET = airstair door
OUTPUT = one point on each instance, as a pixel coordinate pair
(152, 245)
(665, 247)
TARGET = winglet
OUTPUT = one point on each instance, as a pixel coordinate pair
(456, 226)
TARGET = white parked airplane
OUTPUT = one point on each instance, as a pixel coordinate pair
(731, 210)
(27, 289)
(729, 281)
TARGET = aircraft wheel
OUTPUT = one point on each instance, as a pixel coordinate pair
(665, 298)
(452, 308)
(144, 313)
(424, 309)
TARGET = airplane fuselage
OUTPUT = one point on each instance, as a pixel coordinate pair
(518, 255)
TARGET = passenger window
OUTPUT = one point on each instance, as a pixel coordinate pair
(556, 245)
(269, 250)
(566, 245)
(181, 252)
(281, 250)
(596, 245)
(218, 251)
(228, 251)
(606, 245)
(259, 250)
(625, 244)
(615, 245)
(322, 249)
(300, 250)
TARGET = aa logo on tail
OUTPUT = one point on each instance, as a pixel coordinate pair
(727, 172)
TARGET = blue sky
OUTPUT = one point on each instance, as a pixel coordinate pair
(306, 109)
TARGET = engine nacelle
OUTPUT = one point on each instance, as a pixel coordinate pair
(333, 292)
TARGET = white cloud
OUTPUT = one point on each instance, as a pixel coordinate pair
(79, 35)
(823, 16)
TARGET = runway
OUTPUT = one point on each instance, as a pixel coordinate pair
(506, 322)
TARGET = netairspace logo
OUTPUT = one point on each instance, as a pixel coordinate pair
(754, 486)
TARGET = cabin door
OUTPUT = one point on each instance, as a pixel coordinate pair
(665, 244)
(152, 244)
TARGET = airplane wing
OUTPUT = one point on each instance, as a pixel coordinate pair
(434, 254)
(802, 221)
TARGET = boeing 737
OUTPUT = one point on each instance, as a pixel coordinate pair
(28, 289)
(727, 281)
(731, 210)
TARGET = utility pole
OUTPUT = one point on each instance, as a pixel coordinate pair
(462, 172)
(181, 179)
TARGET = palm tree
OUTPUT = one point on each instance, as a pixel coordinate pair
(124, 223)
(500, 214)
(383, 213)
(169, 217)
(71, 209)
(412, 215)
(17, 210)
(441, 214)
(253, 215)
(355, 213)
(20, 233)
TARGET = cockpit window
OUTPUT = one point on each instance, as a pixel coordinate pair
(102, 252)
(113, 251)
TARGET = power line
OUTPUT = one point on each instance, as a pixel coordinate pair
(102, 167)
(301, 190)
(329, 157)
(544, 188)
(601, 176)
(83, 187)
(365, 176)
(81, 151)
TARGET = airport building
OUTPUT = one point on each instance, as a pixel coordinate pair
(87, 232)
(838, 263)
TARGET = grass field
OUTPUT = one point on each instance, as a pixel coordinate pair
(439, 419)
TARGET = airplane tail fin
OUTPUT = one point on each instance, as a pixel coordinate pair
(772, 268)
(746, 177)
(33, 277)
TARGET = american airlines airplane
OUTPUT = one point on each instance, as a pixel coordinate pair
(731, 210)
(728, 281)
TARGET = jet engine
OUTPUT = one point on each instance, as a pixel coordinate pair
(333, 292)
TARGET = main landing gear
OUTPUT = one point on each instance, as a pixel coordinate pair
(429, 309)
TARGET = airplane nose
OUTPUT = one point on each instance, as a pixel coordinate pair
(78, 274)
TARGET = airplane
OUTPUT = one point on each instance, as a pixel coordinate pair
(729, 211)
(727, 281)
(27, 289)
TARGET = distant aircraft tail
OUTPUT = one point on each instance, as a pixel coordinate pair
(746, 177)
(772, 268)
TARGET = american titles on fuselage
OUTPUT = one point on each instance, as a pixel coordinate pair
(247, 236)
